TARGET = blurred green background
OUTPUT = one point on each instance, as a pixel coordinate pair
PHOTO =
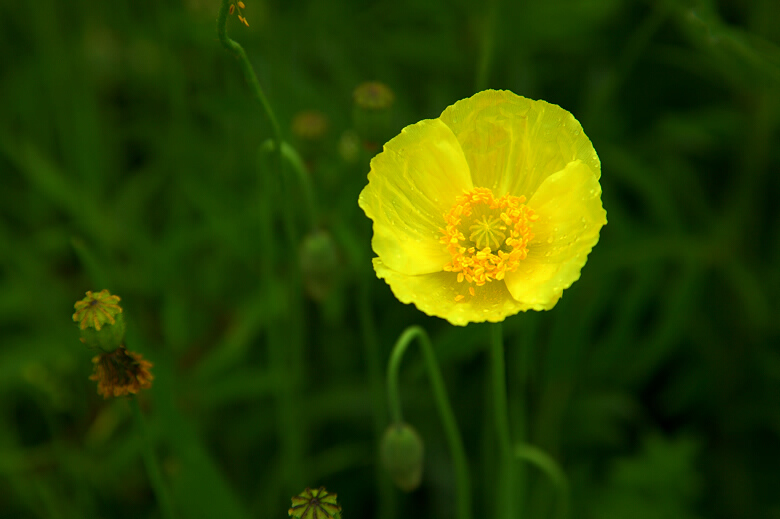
(130, 159)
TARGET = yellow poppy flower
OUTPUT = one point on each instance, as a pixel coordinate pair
(487, 211)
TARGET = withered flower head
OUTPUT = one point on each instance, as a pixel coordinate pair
(121, 372)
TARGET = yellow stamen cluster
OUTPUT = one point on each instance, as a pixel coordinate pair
(498, 231)
(241, 18)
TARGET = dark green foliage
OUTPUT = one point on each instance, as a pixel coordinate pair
(131, 159)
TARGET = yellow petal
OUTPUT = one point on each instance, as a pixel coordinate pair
(568, 204)
(412, 183)
(512, 143)
(435, 295)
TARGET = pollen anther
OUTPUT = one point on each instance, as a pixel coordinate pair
(498, 231)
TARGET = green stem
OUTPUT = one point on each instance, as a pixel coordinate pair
(285, 353)
(284, 152)
(518, 420)
(487, 46)
(458, 453)
(293, 159)
(546, 464)
(371, 344)
(150, 461)
(90, 263)
(505, 501)
(246, 67)
(249, 74)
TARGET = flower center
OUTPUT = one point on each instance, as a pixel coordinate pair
(498, 231)
(487, 232)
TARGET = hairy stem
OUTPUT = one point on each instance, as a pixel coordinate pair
(246, 67)
(150, 462)
(458, 453)
(371, 344)
(505, 500)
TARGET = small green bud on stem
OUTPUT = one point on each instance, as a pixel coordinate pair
(402, 454)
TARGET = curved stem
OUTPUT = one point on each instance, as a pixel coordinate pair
(246, 67)
(284, 152)
(293, 159)
(487, 46)
(291, 156)
(150, 461)
(505, 501)
(547, 464)
(454, 440)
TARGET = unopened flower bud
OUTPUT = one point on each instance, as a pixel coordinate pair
(100, 320)
(402, 455)
(372, 113)
(310, 125)
(373, 95)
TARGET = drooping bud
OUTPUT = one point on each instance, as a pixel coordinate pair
(372, 113)
(320, 264)
(315, 504)
(402, 454)
(100, 320)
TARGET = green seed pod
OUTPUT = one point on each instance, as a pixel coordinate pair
(315, 504)
(372, 113)
(402, 455)
(108, 338)
(100, 320)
